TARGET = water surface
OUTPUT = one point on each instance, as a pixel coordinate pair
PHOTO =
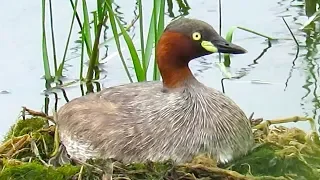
(291, 87)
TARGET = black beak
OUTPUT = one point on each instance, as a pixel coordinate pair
(224, 46)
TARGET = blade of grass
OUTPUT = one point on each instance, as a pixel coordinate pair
(52, 38)
(144, 63)
(61, 66)
(100, 8)
(116, 37)
(81, 58)
(256, 33)
(86, 27)
(161, 18)
(155, 22)
(310, 7)
(220, 22)
(97, 31)
(81, 26)
(95, 51)
(77, 15)
(120, 33)
(151, 33)
(150, 40)
(158, 10)
(45, 58)
(229, 37)
(159, 32)
(311, 19)
(95, 22)
(226, 73)
(140, 74)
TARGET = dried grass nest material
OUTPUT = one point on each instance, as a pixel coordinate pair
(282, 153)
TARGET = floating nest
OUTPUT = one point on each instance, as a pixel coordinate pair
(29, 151)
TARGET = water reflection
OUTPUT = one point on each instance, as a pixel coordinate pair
(183, 8)
(309, 40)
(312, 70)
(245, 70)
(296, 56)
(119, 14)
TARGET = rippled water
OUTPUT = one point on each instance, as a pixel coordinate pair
(290, 86)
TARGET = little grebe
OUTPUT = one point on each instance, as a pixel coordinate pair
(176, 119)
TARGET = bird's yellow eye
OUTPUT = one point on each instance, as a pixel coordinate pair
(196, 36)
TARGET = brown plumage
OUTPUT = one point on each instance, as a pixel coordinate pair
(174, 119)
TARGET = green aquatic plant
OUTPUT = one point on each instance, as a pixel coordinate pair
(45, 58)
(61, 65)
(156, 26)
(90, 33)
(311, 6)
(312, 12)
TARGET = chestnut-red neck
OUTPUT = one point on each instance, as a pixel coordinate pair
(173, 53)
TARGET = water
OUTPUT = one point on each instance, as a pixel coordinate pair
(291, 88)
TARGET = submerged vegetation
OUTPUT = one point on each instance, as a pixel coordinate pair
(281, 153)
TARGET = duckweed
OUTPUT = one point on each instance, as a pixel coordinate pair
(281, 153)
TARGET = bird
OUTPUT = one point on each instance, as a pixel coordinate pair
(175, 118)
